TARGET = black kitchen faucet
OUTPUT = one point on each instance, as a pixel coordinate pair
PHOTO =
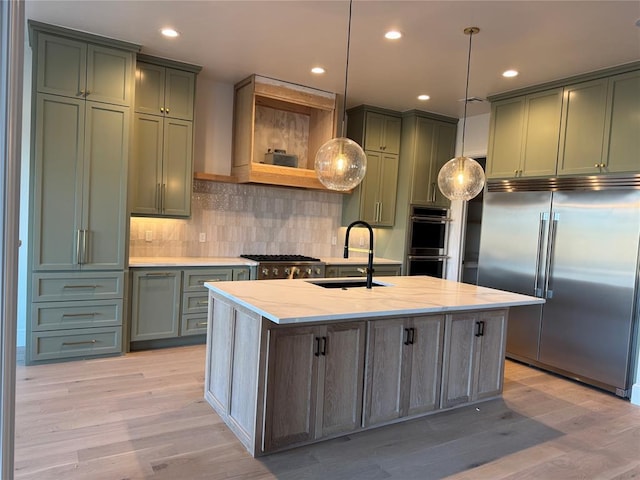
(370, 251)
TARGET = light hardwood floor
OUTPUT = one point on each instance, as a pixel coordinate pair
(143, 416)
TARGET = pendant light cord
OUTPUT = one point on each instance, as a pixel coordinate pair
(346, 73)
(469, 31)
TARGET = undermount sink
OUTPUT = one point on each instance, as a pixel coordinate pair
(344, 284)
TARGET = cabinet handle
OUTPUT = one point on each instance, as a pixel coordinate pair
(602, 165)
(161, 109)
(79, 247)
(596, 165)
(433, 192)
(380, 211)
(85, 247)
(81, 286)
(158, 274)
(324, 346)
(317, 352)
(71, 315)
(203, 302)
(480, 328)
(80, 93)
(158, 197)
(201, 324)
(406, 336)
(82, 342)
(412, 338)
(166, 110)
(164, 192)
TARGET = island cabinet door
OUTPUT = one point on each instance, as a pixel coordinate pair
(340, 379)
(292, 385)
(421, 385)
(386, 358)
(473, 362)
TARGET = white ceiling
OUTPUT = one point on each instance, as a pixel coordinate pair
(544, 40)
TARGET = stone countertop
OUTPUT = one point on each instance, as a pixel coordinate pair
(137, 262)
(359, 261)
(299, 302)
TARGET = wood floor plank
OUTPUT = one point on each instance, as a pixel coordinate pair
(142, 416)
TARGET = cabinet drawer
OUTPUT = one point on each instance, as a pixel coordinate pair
(59, 344)
(194, 279)
(195, 302)
(61, 315)
(51, 287)
(193, 324)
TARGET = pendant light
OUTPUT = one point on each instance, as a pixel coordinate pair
(462, 178)
(341, 163)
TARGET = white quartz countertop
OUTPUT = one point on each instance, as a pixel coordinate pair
(359, 261)
(298, 301)
(190, 262)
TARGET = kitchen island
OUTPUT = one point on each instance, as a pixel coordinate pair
(292, 362)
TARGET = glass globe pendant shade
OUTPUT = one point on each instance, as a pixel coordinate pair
(340, 164)
(461, 178)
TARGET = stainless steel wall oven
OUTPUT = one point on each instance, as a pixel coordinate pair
(427, 241)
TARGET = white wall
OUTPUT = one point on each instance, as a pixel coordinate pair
(213, 126)
(476, 141)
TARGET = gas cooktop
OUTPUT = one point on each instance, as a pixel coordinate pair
(287, 266)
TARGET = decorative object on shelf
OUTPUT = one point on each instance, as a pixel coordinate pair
(341, 163)
(462, 178)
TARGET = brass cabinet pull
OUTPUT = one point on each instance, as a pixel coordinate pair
(158, 197)
(88, 314)
(203, 302)
(167, 110)
(81, 286)
(158, 274)
(161, 109)
(201, 324)
(164, 193)
(82, 342)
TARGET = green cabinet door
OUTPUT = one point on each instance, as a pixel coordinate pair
(146, 164)
(61, 66)
(80, 179)
(149, 88)
(73, 68)
(369, 189)
(387, 191)
(57, 182)
(179, 93)
(382, 133)
(106, 148)
(582, 129)
(540, 137)
(443, 149)
(155, 304)
(418, 151)
(505, 138)
(622, 138)
(177, 167)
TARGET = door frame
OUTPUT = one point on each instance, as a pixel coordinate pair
(12, 22)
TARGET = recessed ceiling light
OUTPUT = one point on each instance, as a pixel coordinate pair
(510, 73)
(423, 97)
(169, 32)
(317, 70)
(392, 35)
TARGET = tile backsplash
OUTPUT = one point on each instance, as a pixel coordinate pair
(245, 218)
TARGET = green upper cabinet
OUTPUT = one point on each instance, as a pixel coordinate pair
(74, 68)
(622, 137)
(583, 127)
(164, 91)
(80, 178)
(382, 133)
(161, 165)
(428, 142)
(524, 135)
(374, 200)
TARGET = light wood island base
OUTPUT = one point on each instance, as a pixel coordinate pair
(308, 379)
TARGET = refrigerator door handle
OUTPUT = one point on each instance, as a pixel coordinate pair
(548, 287)
(544, 217)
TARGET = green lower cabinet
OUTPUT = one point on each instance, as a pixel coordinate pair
(172, 303)
(155, 304)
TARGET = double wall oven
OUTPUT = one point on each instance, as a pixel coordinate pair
(427, 241)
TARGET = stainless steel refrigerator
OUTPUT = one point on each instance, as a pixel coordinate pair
(574, 242)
